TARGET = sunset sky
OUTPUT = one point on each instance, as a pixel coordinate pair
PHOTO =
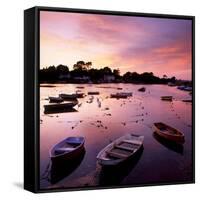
(141, 44)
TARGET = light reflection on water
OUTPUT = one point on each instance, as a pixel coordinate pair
(101, 124)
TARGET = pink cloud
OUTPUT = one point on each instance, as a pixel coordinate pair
(128, 43)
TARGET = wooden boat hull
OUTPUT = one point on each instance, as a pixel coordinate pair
(71, 96)
(166, 98)
(105, 161)
(143, 89)
(65, 157)
(118, 96)
(93, 93)
(61, 106)
(169, 133)
(187, 100)
(122, 95)
(55, 100)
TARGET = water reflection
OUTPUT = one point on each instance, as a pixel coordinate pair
(115, 174)
(104, 119)
(58, 110)
(64, 168)
(178, 148)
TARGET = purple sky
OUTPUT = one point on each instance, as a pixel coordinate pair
(162, 46)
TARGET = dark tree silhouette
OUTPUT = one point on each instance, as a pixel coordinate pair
(107, 71)
(82, 71)
(116, 72)
(62, 69)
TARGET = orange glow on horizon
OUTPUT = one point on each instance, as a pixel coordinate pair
(162, 46)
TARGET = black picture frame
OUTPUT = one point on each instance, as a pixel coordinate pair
(31, 93)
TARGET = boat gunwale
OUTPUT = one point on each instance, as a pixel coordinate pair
(52, 156)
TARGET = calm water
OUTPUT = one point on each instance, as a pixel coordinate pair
(101, 123)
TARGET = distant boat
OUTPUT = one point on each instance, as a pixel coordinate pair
(185, 88)
(166, 98)
(93, 93)
(60, 106)
(169, 133)
(71, 96)
(142, 89)
(181, 87)
(187, 100)
(171, 84)
(79, 94)
(118, 96)
(129, 94)
(80, 87)
(119, 88)
(120, 150)
(121, 95)
(67, 149)
(55, 100)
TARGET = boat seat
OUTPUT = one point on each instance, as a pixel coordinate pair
(63, 150)
(136, 142)
(116, 155)
(123, 147)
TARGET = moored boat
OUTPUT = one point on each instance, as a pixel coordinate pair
(171, 84)
(119, 95)
(79, 94)
(93, 93)
(166, 98)
(60, 106)
(120, 150)
(55, 100)
(185, 88)
(73, 96)
(142, 89)
(187, 100)
(181, 87)
(168, 132)
(67, 149)
(128, 94)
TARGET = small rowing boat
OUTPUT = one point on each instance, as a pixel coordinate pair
(73, 96)
(169, 133)
(67, 149)
(93, 93)
(187, 100)
(55, 100)
(60, 106)
(166, 98)
(120, 150)
(142, 89)
(119, 95)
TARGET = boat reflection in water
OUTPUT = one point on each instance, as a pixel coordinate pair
(64, 168)
(114, 175)
(176, 147)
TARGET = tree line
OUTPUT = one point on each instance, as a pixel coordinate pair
(84, 72)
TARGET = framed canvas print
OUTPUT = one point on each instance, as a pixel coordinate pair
(108, 99)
